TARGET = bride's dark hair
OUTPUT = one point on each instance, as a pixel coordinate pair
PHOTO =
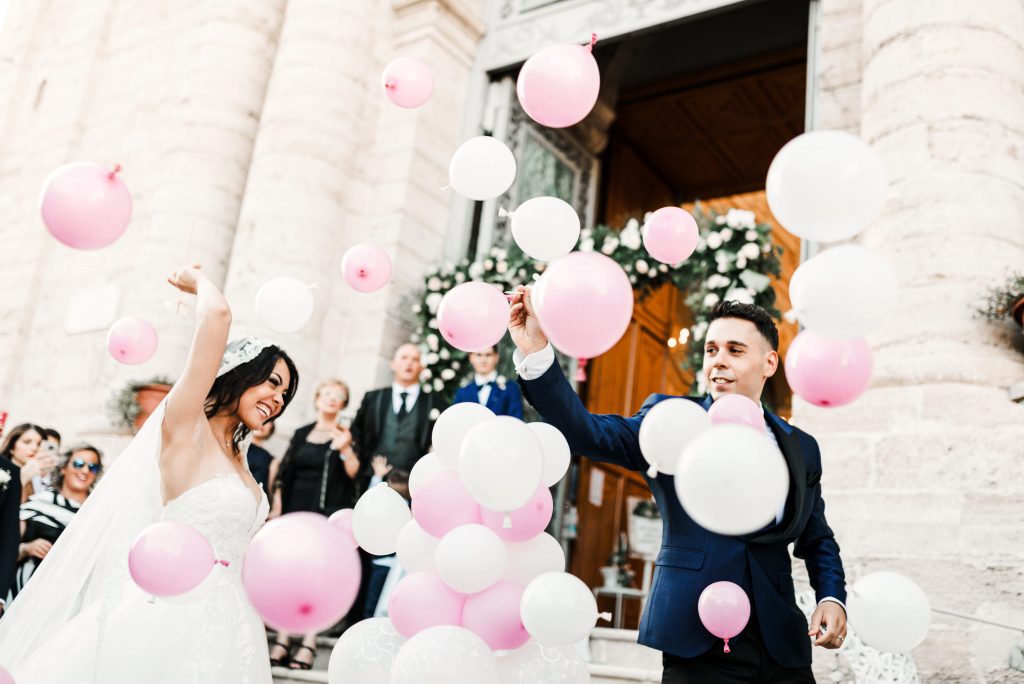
(228, 389)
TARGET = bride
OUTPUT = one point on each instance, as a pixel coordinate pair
(81, 619)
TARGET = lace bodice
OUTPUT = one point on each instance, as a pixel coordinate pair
(224, 510)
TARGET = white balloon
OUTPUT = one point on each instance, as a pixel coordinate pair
(666, 430)
(415, 548)
(501, 463)
(379, 515)
(558, 609)
(451, 427)
(846, 292)
(528, 559)
(471, 558)
(555, 450)
(889, 612)
(284, 304)
(365, 653)
(826, 185)
(534, 663)
(545, 228)
(425, 467)
(442, 655)
(482, 168)
(732, 480)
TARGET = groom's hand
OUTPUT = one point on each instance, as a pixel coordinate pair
(523, 325)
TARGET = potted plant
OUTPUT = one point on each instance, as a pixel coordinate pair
(130, 406)
(1006, 299)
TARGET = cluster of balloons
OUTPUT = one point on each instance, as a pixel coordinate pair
(483, 576)
(827, 186)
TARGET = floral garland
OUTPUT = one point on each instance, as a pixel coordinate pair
(733, 260)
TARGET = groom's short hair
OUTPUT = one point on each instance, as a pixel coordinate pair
(761, 319)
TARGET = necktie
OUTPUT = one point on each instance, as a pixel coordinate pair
(481, 385)
(403, 410)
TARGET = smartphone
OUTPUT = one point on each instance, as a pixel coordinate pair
(344, 421)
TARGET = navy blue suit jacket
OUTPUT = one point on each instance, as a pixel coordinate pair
(691, 557)
(507, 401)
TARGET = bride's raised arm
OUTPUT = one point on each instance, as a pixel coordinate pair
(213, 319)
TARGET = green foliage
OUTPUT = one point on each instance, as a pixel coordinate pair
(122, 409)
(1000, 299)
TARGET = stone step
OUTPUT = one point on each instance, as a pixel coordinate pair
(618, 648)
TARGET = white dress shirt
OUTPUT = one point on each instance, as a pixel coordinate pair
(484, 393)
(412, 392)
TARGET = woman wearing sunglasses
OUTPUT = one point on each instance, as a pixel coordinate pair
(45, 515)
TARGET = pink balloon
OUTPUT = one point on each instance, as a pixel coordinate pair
(86, 205)
(584, 303)
(407, 82)
(527, 522)
(421, 600)
(5, 677)
(670, 235)
(170, 558)
(736, 408)
(826, 371)
(132, 341)
(558, 86)
(724, 609)
(473, 316)
(442, 503)
(493, 615)
(343, 521)
(366, 267)
(300, 573)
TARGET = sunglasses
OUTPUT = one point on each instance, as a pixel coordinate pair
(79, 463)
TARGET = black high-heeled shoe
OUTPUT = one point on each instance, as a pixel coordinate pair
(298, 664)
(283, 660)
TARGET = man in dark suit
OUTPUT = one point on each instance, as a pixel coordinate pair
(10, 531)
(488, 388)
(396, 422)
(740, 354)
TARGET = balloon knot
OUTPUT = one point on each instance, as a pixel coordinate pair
(606, 616)
(222, 562)
(726, 649)
(503, 212)
(114, 171)
(506, 524)
(389, 84)
(593, 41)
(652, 472)
(581, 370)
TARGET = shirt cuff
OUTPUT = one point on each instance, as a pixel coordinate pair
(834, 600)
(533, 366)
(377, 479)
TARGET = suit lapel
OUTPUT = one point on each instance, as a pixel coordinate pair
(789, 444)
(386, 403)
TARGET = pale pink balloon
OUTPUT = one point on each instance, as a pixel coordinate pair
(86, 205)
(421, 600)
(493, 615)
(343, 521)
(584, 303)
(738, 409)
(5, 676)
(407, 82)
(558, 86)
(443, 503)
(473, 316)
(366, 267)
(300, 573)
(670, 235)
(132, 341)
(170, 558)
(724, 609)
(827, 371)
(526, 522)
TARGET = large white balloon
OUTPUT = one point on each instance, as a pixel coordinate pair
(826, 185)
(558, 609)
(365, 653)
(889, 612)
(451, 427)
(482, 168)
(529, 559)
(415, 548)
(666, 430)
(471, 558)
(442, 655)
(425, 467)
(534, 663)
(545, 228)
(555, 450)
(284, 304)
(379, 515)
(846, 292)
(501, 463)
(732, 480)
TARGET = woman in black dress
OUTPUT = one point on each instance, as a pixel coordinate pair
(319, 473)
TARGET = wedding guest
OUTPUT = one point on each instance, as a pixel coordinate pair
(22, 447)
(53, 437)
(262, 464)
(490, 389)
(10, 498)
(45, 515)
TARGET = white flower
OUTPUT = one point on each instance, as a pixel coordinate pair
(740, 218)
(414, 337)
(716, 281)
(432, 323)
(741, 295)
(432, 343)
(648, 215)
(610, 244)
(663, 268)
(501, 380)
(425, 375)
(434, 414)
(714, 241)
(632, 279)
(750, 250)
(501, 266)
(438, 384)
(726, 234)
(766, 248)
(434, 284)
(416, 308)
(710, 300)
(475, 270)
(741, 261)
(488, 264)
(456, 365)
(460, 277)
(445, 354)
(699, 330)
(587, 245)
(447, 374)
(427, 389)
(723, 266)
(630, 235)
(758, 282)
(751, 235)
(433, 301)
(5, 477)
(641, 266)
(720, 220)
(432, 358)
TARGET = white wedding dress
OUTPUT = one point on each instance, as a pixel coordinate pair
(88, 623)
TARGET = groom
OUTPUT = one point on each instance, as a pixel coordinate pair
(740, 354)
